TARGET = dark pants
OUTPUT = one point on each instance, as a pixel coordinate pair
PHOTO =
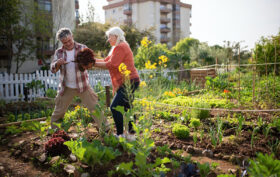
(120, 99)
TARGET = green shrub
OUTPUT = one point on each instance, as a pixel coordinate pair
(226, 175)
(19, 117)
(11, 118)
(194, 122)
(26, 116)
(264, 165)
(49, 112)
(167, 115)
(200, 113)
(43, 114)
(51, 93)
(181, 131)
(36, 115)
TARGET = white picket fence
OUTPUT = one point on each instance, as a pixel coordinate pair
(12, 85)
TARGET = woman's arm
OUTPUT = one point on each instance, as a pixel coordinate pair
(99, 60)
(100, 64)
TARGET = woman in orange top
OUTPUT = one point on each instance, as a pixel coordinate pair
(119, 53)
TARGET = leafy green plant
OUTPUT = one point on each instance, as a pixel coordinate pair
(42, 113)
(56, 167)
(253, 136)
(26, 116)
(195, 138)
(175, 164)
(219, 83)
(40, 128)
(51, 93)
(225, 175)
(214, 165)
(181, 131)
(111, 140)
(217, 135)
(36, 115)
(204, 169)
(240, 124)
(12, 129)
(92, 153)
(194, 122)
(264, 165)
(202, 112)
(201, 135)
(11, 118)
(274, 146)
(163, 150)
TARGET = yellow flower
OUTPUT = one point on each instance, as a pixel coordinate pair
(163, 58)
(77, 107)
(148, 65)
(143, 84)
(151, 76)
(122, 67)
(145, 42)
(123, 70)
(127, 73)
(169, 93)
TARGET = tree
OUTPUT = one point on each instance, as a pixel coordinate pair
(183, 48)
(18, 32)
(93, 35)
(9, 15)
(22, 23)
(134, 36)
(266, 51)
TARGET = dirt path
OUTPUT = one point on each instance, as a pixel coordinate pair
(19, 168)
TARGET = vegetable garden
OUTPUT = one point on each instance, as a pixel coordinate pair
(228, 127)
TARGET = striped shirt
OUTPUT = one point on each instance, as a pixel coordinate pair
(81, 77)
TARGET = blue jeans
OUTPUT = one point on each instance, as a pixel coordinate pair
(120, 99)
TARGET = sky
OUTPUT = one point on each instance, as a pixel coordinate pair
(216, 21)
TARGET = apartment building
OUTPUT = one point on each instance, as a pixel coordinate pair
(170, 19)
(61, 13)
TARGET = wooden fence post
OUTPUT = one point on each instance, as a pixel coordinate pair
(108, 97)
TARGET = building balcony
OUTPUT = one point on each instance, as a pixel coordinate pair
(165, 30)
(127, 11)
(166, 1)
(164, 20)
(165, 10)
(77, 4)
(128, 21)
(164, 39)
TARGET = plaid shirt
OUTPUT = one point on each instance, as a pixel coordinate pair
(81, 77)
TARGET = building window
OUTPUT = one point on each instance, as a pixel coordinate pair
(45, 5)
(77, 13)
(127, 6)
(177, 7)
(163, 26)
(114, 11)
(163, 36)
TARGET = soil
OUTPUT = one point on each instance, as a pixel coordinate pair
(20, 153)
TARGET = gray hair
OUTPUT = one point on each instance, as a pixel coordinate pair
(62, 33)
(117, 31)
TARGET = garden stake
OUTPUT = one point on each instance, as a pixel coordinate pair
(265, 60)
(254, 79)
(107, 88)
(274, 73)
(239, 69)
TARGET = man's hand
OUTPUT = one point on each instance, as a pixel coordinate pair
(60, 62)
